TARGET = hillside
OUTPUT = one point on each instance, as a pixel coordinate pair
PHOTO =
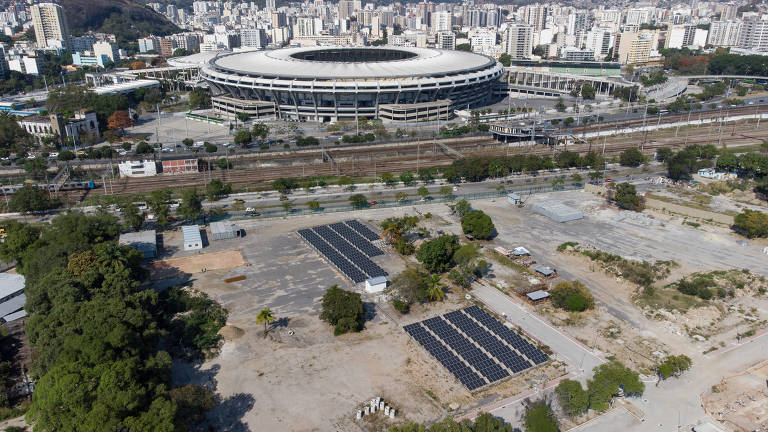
(127, 19)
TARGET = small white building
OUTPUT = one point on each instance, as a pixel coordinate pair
(192, 238)
(143, 168)
(375, 284)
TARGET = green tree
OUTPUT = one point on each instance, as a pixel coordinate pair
(19, 237)
(505, 59)
(345, 181)
(29, 198)
(37, 168)
(313, 205)
(358, 201)
(674, 366)
(412, 285)
(462, 207)
(435, 291)
(625, 196)
(243, 137)
(260, 130)
(401, 196)
(191, 205)
(406, 177)
(436, 255)
(477, 224)
(388, 179)
(187, 142)
(572, 397)
(631, 157)
(451, 175)
(132, 216)
(606, 382)
(199, 98)
(342, 309)
(750, 223)
(587, 91)
(446, 191)
(426, 175)
(287, 206)
(594, 176)
(158, 204)
(540, 418)
(215, 189)
(144, 148)
(423, 191)
(265, 316)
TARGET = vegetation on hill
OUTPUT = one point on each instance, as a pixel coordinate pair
(127, 19)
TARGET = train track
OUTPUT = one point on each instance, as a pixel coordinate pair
(367, 164)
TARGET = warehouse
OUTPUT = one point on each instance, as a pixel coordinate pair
(12, 297)
(224, 230)
(192, 238)
(143, 241)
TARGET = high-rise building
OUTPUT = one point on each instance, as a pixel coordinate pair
(445, 40)
(754, 35)
(271, 5)
(442, 21)
(536, 16)
(634, 47)
(307, 26)
(253, 37)
(638, 16)
(600, 42)
(724, 33)
(518, 42)
(149, 43)
(278, 19)
(166, 47)
(347, 8)
(680, 36)
(50, 24)
(108, 49)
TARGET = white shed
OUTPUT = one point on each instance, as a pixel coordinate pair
(375, 284)
(192, 238)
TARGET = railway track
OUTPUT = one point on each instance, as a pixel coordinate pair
(368, 165)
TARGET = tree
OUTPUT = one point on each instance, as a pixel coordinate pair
(505, 59)
(462, 207)
(132, 216)
(287, 206)
(215, 189)
(451, 175)
(210, 148)
(199, 98)
(412, 285)
(446, 191)
(435, 291)
(119, 120)
(423, 191)
(401, 196)
(568, 121)
(358, 201)
(572, 296)
(29, 198)
(663, 153)
(477, 224)
(265, 316)
(625, 196)
(342, 309)
(572, 397)
(344, 181)
(587, 91)
(426, 175)
(560, 105)
(674, 366)
(388, 179)
(158, 204)
(406, 177)
(595, 176)
(187, 142)
(750, 223)
(191, 205)
(606, 382)
(243, 117)
(243, 137)
(540, 418)
(631, 157)
(260, 130)
(66, 155)
(313, 205)
(436, 255)
(144, 148)
(36, 167)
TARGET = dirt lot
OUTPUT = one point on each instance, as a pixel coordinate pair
(741, 402)
(173, 267)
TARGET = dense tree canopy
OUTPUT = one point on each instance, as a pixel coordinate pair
(437, 255)
(477, 224)
(572, 296)
(625, 196)
(751, 223)
(343, 310)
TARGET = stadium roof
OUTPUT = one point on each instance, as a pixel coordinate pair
(284, 62)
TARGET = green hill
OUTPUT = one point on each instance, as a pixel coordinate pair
(127, 19)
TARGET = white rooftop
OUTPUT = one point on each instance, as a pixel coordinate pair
(191, 234)
(425, 62)
(10, 283)
(125, 87)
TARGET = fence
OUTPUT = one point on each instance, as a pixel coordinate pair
(523, 191)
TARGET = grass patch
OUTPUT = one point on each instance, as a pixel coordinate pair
(509, 262)
(12, 412)
(641, 273)
(566, 245)
(693, 224)
(668, 299)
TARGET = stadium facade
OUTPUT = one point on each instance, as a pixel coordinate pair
(337, 83)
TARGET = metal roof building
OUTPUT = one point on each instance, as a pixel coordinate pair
(538, 295)
(224, 230)
(12, 297)
(375, 284)
(143, 241)
(192, 238)
(544, 270)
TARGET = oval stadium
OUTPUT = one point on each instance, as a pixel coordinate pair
(328, 84)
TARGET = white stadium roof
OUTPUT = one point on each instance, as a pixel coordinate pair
(282, 62)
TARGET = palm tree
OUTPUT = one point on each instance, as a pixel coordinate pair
(266, 316)
(435, 291)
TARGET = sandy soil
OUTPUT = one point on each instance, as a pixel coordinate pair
(740, 402)
(172, 267)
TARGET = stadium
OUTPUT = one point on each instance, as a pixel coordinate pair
(330, 84)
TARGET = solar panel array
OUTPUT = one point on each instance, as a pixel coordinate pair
(512, 338)
(362, 230)
(347, 248)
(475, 347)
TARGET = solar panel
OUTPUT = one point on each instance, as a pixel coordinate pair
(362, 230)
(340, 262)
(350, 252)
(510, 337)
(356, 239)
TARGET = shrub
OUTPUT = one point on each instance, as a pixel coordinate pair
(401, 306)
(572, 296)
